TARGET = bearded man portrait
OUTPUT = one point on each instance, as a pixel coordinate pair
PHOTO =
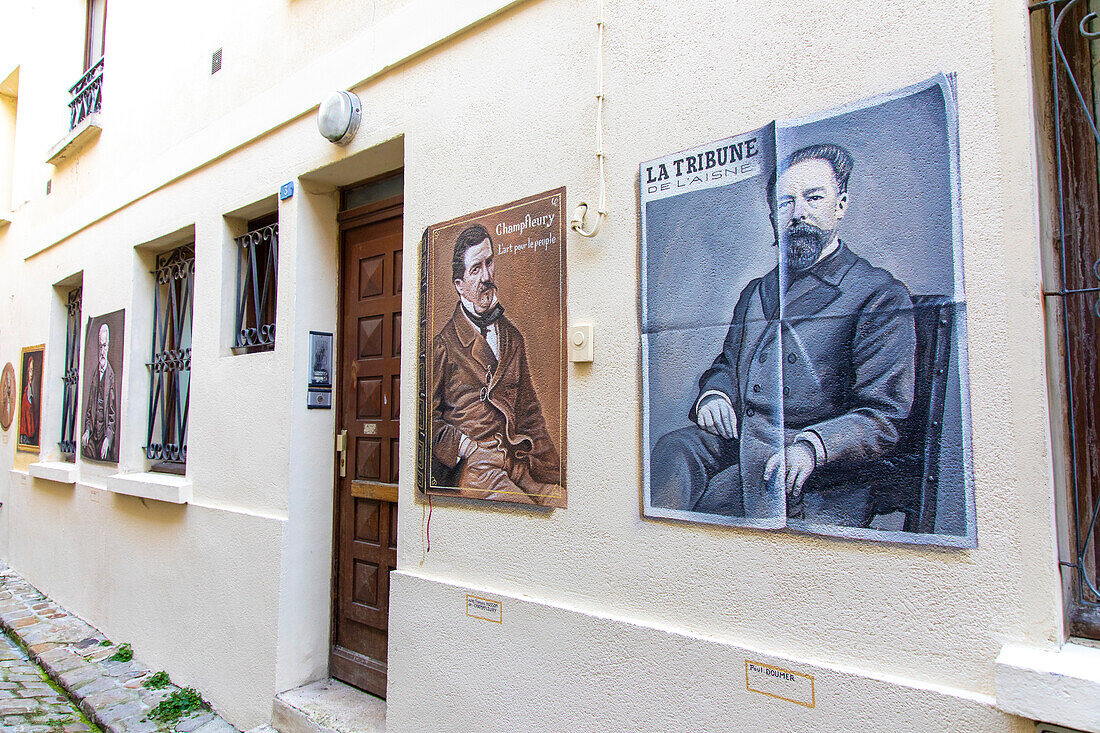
(817, 368)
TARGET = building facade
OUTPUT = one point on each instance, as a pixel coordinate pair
(183, 181)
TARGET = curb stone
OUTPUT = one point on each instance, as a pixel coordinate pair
(77, 657)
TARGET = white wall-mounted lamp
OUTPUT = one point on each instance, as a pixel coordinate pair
(338, 117)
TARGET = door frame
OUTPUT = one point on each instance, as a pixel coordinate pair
(366, 214)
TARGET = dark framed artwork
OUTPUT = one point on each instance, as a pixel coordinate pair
(320, 359)
(30, 398)
(102, 385)
(492, 355)
(804, 326)
(319, 392)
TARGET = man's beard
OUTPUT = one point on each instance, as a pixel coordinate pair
(802, 245)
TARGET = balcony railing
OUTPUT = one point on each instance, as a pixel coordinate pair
(87, 94)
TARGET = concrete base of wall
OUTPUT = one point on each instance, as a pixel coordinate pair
(546, 667)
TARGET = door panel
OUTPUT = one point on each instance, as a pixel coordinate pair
(369, 386)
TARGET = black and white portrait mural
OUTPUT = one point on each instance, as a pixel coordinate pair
(804, 326)
(102, 387)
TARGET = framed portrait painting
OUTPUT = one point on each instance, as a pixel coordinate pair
(102, 385)
(493, 381)
(30, 398)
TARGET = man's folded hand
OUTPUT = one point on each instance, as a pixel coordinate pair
(715, 415)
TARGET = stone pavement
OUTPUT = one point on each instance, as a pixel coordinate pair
(28, 704)
(110, 690)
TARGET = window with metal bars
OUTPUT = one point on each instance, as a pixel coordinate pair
(170, 360)
(1067, 48)
(257, 286)
(70, 380)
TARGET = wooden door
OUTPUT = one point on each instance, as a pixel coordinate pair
(368, 402)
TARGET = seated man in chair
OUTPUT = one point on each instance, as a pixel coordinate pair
(824, 381)
(489, 436)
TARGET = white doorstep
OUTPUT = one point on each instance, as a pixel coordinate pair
(328, 706)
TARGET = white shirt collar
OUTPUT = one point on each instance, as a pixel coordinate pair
(827, 251)
(470, 308)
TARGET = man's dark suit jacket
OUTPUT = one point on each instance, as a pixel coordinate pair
(470, 395)
(848, 348)
(100, 420)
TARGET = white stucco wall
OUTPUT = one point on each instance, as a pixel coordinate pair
(612, 621)
(931, 616)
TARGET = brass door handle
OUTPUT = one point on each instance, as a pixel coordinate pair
(342, 449)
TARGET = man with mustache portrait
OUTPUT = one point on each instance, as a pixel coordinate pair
(489, 437)
(816, 371)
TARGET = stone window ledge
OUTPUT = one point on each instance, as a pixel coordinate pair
(60, 472)
(159, 486)
(1059, 686)
(85, 132)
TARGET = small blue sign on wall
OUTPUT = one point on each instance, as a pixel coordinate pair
(286, 190)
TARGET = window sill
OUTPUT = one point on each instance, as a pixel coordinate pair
(5, 218)
(158, 486)
(78, 138)
(1059, 686)
(257, 349)
(57, 471)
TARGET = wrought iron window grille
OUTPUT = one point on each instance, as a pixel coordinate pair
(257, 285)
(1071, 30)
(170, 360)
(87, 94)
(71, 378)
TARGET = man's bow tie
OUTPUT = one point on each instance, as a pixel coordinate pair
(484, 321)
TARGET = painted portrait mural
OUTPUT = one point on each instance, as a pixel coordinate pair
(492, 373)
(30, 398)
(804, 330)
(102, 385)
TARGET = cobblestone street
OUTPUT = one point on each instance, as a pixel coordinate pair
(28, 704)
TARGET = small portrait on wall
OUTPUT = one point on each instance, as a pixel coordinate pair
(9, 396)
(102, 385)
(30, 398)
(493, 385)
(320, 359)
